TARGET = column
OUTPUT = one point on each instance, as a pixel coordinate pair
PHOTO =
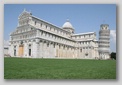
(40, 51)
(17, 49)
(54, 44)
(26, 49)
(61, 51)
(35, 49)
(56, 50)
(52, 54)
(45, 49)
(65, 51)
(11, 50)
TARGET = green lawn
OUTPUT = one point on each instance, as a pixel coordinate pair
(23, 68)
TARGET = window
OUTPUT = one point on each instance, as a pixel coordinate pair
(14, 50)
(54, 45)
(21, 42)
(29, 52)
(46, 26)
(14, 47)
(41, 25)
(80, 50)
(83, 42)
(35, 22)
(42, 33)
(48, 45)
(86, 54)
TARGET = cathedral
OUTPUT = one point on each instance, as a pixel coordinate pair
(37, 38)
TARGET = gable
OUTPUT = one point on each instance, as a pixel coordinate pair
(24, 15)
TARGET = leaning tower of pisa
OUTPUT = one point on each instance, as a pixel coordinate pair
(104, 41)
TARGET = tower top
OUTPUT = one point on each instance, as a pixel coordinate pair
(104, 26)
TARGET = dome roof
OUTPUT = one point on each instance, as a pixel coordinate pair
(67, 24)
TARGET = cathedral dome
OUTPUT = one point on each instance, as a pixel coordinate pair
(67, 24)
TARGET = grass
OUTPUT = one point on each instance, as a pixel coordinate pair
(23, 68)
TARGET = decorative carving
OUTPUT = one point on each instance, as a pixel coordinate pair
(24, 15)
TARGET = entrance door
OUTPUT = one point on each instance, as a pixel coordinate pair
(21, 50)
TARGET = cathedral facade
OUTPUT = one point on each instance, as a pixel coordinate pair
(36, 38)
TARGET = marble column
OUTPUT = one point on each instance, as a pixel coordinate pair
(36, 48)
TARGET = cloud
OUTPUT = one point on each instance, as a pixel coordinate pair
(112, 40)
(6, 42)
(113, 35)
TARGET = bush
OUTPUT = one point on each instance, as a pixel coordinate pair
(113, 55)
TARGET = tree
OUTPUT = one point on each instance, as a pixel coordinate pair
(113, 55)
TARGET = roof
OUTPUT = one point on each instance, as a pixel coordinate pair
(84, 33)
(85, 40)
(49, 23)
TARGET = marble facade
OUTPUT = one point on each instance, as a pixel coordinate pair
(36, 38)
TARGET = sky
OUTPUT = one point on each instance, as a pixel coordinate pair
(83, 17)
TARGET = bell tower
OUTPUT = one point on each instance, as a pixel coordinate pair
(104, 41)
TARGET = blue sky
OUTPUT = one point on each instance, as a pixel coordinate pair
(83, 17)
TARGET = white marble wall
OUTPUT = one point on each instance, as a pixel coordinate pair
(69, 47)
(39, 49)
(10, 50)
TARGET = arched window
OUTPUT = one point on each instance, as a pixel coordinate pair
(41, 25)
(29, 48)
(54, 45)
(80, 50)
(47, 44)
(46, 26)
